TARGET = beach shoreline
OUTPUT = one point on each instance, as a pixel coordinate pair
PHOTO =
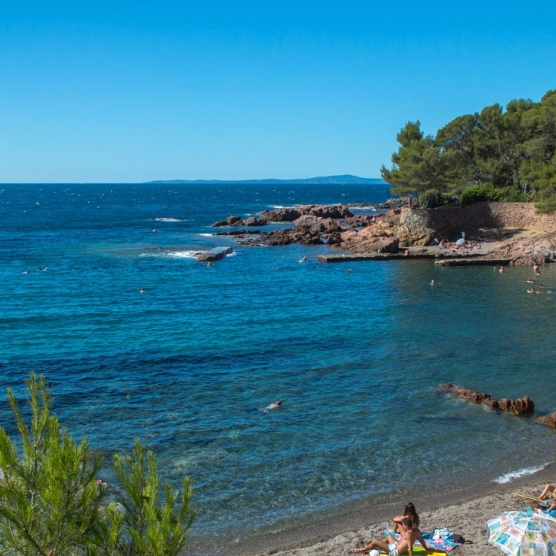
(463, 511)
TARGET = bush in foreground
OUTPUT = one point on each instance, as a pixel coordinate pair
(51, 502)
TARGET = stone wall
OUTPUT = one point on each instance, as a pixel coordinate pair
(420, 226)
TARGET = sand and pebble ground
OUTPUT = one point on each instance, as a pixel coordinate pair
(466, 517)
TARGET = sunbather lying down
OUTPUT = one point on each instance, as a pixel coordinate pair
(394, 547)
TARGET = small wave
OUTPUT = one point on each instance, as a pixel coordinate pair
(173, 254)
(182, 254)
(162, 219)
(372, 209)
(206, 235)
(519, 473)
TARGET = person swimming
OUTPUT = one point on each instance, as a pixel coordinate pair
(274, 405)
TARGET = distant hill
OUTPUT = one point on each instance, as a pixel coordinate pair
(341, 180)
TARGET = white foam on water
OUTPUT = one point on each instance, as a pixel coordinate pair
(173, 254)
(506, 478)
(182, 254)
(371, 208)
(164, 219)
(206, 235)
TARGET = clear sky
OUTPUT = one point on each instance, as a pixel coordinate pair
(113, 91)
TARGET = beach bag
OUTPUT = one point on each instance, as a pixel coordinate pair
(457, 538)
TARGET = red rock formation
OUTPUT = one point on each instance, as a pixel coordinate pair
(519, 406)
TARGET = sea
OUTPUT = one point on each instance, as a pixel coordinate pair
(356, 352)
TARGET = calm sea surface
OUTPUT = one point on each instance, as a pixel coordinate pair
(188, 365)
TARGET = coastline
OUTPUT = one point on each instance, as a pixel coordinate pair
(463, 511)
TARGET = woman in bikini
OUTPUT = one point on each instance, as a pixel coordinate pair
(410, 513)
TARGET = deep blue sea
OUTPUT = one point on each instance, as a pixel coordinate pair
(189, 365)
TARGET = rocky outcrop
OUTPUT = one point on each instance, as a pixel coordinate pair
(376, 237)
(319, 211)
(379, 235)
(237, 221)
(526, 252)
(230, 221)
(214, 254)
(519, 406)
(288, 236)
(397, 202)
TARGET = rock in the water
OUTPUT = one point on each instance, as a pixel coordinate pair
(230, 221)
(519, 406)
(214, 254)
(549, 420)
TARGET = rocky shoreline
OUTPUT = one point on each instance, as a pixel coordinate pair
(507, 231)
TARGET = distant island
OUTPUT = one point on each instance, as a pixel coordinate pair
(324, 180)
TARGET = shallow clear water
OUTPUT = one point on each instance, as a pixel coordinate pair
(188, 365)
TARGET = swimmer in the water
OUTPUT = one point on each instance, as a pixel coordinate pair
(530, 281)
(275, 405)
(142, 290)
(432, 282)
(43, 269)
(303, 260)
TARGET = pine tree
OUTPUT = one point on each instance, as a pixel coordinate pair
(49, 499)
(51, 503)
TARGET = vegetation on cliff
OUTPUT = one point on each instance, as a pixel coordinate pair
(51, 502)
(494, 155)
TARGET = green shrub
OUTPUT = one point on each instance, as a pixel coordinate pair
(486, 192)
(547, 205)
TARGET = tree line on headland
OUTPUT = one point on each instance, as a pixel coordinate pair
(494, 155)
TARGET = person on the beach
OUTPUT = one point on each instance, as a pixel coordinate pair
(548, 492)
(392, 546)
(536, 507)
(275, 405)
(409, 512)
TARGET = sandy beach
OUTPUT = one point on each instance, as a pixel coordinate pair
(465, 516)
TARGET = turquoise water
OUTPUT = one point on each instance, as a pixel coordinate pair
(188, 365)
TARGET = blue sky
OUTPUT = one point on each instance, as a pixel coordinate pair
(114, 91)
